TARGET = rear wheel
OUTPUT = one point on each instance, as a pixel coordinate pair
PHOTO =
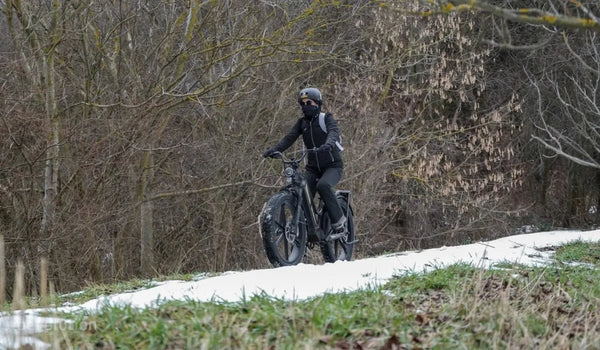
(343, 247)
(284, 241)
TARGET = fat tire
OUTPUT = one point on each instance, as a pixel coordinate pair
(274, 218)
(338, 249)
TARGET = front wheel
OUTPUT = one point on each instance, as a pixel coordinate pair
(343, 247)
(283, 239)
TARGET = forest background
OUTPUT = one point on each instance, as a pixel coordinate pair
(131, 132)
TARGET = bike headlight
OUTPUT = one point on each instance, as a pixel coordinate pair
(289, 175)
(289, 172)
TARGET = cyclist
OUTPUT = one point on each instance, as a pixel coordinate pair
(324, 168)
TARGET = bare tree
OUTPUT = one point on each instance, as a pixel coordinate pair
(36, 35)
(577, 136)
(162, 110)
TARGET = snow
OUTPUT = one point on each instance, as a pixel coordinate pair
(303, 281)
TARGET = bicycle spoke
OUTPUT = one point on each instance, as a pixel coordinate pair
(343, 247)
(286, 250)
(282, 227)
(282, 219)
(280, 238)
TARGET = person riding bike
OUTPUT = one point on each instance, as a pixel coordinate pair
(324, 168)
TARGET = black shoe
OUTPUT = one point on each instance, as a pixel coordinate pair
(340, 226)
(338, 231)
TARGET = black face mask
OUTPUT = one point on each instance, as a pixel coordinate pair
(310, 110)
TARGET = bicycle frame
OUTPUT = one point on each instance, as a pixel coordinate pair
(313, 217)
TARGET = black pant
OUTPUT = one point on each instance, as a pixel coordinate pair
(323, 182)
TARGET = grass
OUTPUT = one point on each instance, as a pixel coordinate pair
(458, 307)
(579, 252)
(96, 290)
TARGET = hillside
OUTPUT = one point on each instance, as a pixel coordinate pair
(301, 283)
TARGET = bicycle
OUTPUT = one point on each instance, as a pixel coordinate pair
(290, 223)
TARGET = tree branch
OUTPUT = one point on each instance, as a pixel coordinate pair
(522, 15)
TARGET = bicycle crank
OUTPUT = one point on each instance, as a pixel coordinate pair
(335, 236)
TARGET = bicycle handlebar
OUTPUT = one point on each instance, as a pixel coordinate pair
(287, 160)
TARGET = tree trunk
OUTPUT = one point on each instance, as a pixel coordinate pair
(45, 82)
(52, 153)
(146, 219)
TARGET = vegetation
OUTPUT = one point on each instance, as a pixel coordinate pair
(131, 132)
(455, 307)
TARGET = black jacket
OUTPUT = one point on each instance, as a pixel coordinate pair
(313, 137)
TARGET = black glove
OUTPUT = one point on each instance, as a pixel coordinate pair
(324, 148)
(270, 153)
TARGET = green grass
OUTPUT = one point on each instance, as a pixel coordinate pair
(459, 307)
(579, 252)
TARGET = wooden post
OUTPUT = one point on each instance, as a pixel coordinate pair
(19, 291)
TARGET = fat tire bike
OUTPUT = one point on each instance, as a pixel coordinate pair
(291, 223)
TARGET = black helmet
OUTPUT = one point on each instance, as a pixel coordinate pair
(310, 93)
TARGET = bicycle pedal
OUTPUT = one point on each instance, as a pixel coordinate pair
(335, 236)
